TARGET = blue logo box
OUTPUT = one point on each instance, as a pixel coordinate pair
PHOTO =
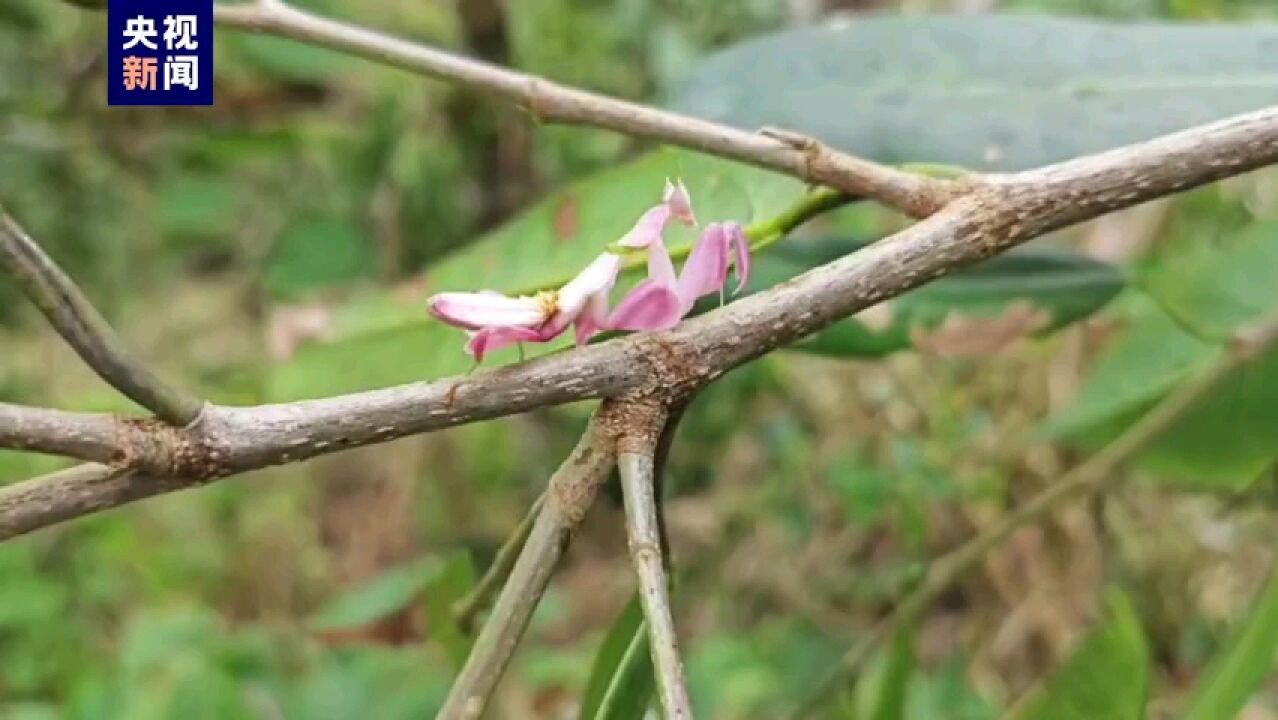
(160, 52)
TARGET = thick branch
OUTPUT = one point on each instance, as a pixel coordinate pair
(1084, 479)
(67, 494)
(570, 494)
(84, 436)
(88, 333)
(551, 102)
(993, 215)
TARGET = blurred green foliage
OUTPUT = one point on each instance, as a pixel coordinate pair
(808, 493)
(1107, 677)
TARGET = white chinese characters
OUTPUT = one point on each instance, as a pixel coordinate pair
(182, 70)
(139, 30)
(142, 70)
(179, 32)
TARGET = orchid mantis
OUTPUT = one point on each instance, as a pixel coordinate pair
(494, 321)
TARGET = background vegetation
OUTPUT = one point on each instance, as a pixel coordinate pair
(279, 245)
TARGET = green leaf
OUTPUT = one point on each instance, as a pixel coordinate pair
(315, 254)
(1150, 357)
(451, 583)
(947, 692)
(1203, 293)
(1076, 87)
(1050, 287)
(1244, 663)
(882, 693)
(621, 680)
(383, 338)
(1107, 678)
(382, 596)
(196, 204)
(1212, 289)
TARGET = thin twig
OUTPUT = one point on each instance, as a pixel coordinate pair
(646, 553)
(88, 333)
(476, 600)
(570, 494)
(550, 102)
(1085, 479)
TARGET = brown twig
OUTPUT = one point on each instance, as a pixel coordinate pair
(85, 330)
(570, 494)
(550, 102)
(1085, 479)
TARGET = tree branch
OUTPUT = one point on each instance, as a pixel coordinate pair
(473, 603)
(635, 460)
(88, 333)
(550, 102)
(1085, 479)
(70, 493)
(569, 496)
(84, 436)
(991, 215)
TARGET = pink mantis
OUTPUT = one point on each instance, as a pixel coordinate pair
(659, 302)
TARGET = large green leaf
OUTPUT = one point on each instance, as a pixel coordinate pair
(1203, 294)
(1046, 288)
(1107, 678)
(382, 338)
(942, 89)
(621, 681)
(1245, 662)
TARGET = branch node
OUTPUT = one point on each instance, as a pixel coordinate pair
(809, 146)
(634, 422)
(918, 196)
(161, 450)
(1251, 341)
(534, 100)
